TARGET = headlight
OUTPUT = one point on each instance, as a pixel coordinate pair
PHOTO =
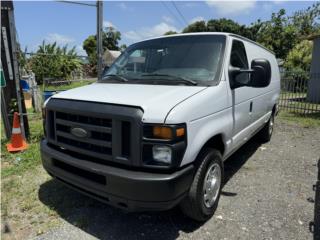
(162, 154)
(163, 144)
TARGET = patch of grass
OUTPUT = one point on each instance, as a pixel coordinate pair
(300, 106)
(21, 177)
(17, 163)
(292, 95)
(304, 120)
(21, 208)
(67, 86)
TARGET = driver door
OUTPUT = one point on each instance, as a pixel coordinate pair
(241, 98)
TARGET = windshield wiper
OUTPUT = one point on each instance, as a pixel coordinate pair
(115, 76)
(176, 78)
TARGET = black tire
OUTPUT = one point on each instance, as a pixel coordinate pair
(266, 132)
(193, 205)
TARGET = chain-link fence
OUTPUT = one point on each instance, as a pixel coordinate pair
(297, 92)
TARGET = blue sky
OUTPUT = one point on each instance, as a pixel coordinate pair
(72, 24)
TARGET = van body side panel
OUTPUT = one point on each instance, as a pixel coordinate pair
(251, 107)
(241, 99)
(207, 114)
(263, 98)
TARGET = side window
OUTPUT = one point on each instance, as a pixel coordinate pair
(239, 59)
(239, 55)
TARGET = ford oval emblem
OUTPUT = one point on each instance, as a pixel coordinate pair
(79, 132)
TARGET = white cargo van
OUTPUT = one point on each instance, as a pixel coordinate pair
(154, 133)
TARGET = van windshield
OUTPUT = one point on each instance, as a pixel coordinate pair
(189, 60)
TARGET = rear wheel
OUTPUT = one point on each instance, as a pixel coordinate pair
(266, 132)
(203, 196)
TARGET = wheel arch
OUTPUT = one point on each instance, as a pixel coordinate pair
(215, 142)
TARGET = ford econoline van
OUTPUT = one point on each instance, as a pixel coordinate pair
(155, 131)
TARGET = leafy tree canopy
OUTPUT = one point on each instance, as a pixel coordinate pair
(281, 34)
(170, 33)
(110, 40)
(53, 61)
(299, 57)
(199, 26)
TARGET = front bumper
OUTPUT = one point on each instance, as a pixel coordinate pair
(127, 189)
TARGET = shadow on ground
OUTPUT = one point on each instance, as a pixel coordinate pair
(106, 222)
(315, 225)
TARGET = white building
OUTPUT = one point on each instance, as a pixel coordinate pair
(314, 82)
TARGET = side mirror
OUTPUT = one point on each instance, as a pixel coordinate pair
(261, 75)
(239, 77)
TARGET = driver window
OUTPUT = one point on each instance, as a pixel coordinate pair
(239, 59)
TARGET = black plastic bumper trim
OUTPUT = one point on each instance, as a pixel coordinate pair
(132, 190)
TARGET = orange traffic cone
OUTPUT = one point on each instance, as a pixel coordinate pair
(17, 142)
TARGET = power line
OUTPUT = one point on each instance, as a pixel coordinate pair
(79, 3)
(179, 12)
(171, 12)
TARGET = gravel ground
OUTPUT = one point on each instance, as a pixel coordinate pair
(264, 197)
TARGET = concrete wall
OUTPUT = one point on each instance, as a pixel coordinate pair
(314, 82)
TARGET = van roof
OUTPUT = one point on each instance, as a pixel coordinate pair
(211, 33)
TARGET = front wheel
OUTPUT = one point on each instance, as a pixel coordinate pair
(266, 132)
(203, 196)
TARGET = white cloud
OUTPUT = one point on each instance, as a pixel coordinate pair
(235, 7)
(267, 6)
(196, 19)
(167, 19)
(80, 51)
(125, 7)
(59, 39)
(278, 1)
(108, 24)
(149, 32)
(191, 4)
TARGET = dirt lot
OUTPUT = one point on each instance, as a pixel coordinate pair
(265, 197)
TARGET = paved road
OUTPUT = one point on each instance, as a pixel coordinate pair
(265, 197)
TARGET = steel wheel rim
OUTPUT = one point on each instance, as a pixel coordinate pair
(211, 185)
(271, 123)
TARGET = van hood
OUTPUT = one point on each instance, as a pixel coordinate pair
(156, 101)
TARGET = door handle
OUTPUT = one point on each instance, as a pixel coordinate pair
(250, 107)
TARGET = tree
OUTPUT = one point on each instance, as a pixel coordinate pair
(123, 47)
(170, 33)
(90, 46)
(110, 40)
(278, 34)
(224, 25)
(53, 61)
(199, 26)
(307, 21)
(299, 57)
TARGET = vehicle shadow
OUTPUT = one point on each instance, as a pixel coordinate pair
(315, 225)
(105, 222)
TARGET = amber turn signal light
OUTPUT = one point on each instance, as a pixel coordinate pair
(180, 132)
(162, 132)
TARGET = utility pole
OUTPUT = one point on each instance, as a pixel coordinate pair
(99, 7)
(99, 37)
